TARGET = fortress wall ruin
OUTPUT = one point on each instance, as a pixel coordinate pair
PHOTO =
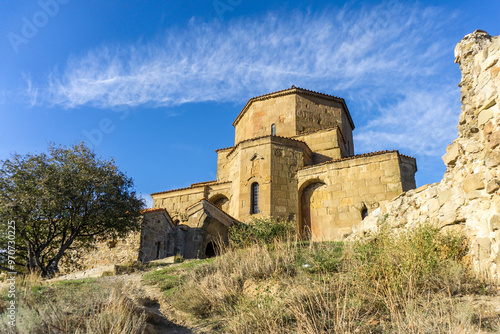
(468, 197)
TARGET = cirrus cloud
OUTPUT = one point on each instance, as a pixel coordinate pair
(393, 52)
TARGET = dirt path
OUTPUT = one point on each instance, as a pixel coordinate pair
(162, 318)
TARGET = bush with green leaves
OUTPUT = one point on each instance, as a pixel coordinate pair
(422, 258)
(261, 230)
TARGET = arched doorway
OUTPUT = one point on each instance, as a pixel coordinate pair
(313, 213)
(211, 250)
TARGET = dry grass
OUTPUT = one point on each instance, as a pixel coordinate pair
(406, 283)
(81, 306)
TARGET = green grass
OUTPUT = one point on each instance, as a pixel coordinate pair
(173, 276)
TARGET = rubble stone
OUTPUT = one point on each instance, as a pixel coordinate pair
(468, 193)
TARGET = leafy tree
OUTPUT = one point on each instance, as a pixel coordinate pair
(64, 199)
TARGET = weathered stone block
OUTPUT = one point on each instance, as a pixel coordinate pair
(492, 186)
(394, 187)
(495, 223)
(379, 189)
(481, 248)
(434, 206)
(493, 159)
(452, 154)
(472, 182)
(488, 128)
(473, 147)
(444, 196)
(494, 139)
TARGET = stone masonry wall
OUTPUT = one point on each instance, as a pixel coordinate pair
(326, 144)
(157, 236)
(350, 186)
(468, 197)
(109, 252)
(316, 114)
(257, 120)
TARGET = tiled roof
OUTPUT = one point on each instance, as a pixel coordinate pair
(205, 199)
(223, 149)
(251, 139)
(203, 183)
(292, 90)
(356, 157)
(194, 185)
(168, 191)
(152, 210)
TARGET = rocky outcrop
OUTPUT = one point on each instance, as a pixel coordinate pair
(468, 197)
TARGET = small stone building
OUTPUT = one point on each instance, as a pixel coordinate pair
(292, 158)
(158, 234)
(198, 237)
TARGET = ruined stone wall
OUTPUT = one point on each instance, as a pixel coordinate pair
(468, 197)
(106, 253)
(333, 195)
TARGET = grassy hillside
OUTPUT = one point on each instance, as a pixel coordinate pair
(413, 282)
(416, 281)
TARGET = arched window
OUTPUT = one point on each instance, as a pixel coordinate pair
(364, 213)
(273, 129)
(255, 198)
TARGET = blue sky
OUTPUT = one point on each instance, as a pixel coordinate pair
(157, 84)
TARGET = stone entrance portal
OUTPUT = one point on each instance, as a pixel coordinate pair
(313, 213)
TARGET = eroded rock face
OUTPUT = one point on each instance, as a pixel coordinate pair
(468, 197)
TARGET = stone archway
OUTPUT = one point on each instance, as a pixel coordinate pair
(313, 213)
(211, 250)
(220, 201)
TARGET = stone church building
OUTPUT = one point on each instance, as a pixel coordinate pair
(292, 158)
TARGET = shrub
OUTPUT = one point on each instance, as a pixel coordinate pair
(131, 267)
(413, 260)
(261, 230)
(178, 258)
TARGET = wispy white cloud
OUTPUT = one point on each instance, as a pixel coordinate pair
(422, 122)
(31, 91)
(391, 51)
